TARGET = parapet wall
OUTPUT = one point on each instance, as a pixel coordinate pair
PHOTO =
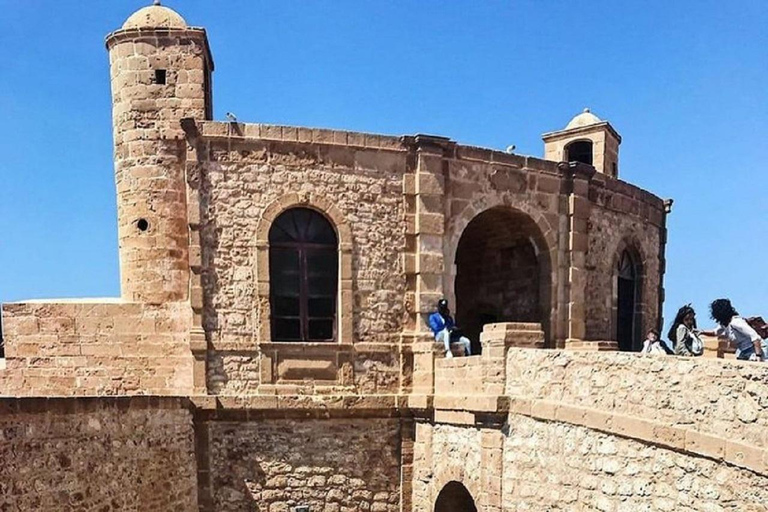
(577, 430)
(721, 398)
(96, 348)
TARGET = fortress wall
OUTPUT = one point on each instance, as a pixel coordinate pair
(272, 465)
(721, 398)
(558, 466)
(364, 188)
(132, 454)
(622, 217)
(603, 431)
(86, 348)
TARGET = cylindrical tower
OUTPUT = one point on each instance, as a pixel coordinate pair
(160, 71)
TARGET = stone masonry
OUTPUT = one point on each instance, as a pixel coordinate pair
(182, 395)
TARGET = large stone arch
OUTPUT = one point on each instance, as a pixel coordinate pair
(328, 209)
(631, 245)
(543, 236)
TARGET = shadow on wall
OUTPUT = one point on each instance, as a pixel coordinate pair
(454, 497)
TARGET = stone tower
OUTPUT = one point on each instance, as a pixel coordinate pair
(160, 71)
(587, 139)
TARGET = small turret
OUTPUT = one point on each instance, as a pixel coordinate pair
(160, 71)
(587, 139)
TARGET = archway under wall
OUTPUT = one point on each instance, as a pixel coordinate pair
(503, 272)
(454, 497)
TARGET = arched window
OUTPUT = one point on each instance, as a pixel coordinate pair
(303, 275)
(579, 151)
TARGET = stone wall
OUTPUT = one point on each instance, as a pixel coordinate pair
(130, 454)
(718, 397)
(557, 466)
(623, 218)
(332, 465)
(359, 188)
(93, 348)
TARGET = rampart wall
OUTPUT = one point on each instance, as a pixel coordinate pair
(605, 431)
(131, 454)
(96, 348)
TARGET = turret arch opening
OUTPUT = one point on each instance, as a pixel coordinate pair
(627, 295)
(503, 273)
(454, 497)
(579, 151)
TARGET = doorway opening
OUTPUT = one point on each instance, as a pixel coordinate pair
(454, 497)
(627, 303)
(502, 273)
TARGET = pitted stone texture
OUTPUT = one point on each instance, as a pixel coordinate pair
(555, 466)
(85, 348)
(149, 153)
(713, 396)
(236, 187)
(330, 465)
(105, 458)
(610, 234)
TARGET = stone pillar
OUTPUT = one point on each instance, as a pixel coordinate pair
(407, 441)
(663, 263)
(424, 189)
(197, 340)
(492, 469)
(579, 210)
(496, 340)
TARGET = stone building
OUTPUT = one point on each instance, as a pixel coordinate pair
(269, 350)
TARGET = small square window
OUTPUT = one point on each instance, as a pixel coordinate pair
(160, 76)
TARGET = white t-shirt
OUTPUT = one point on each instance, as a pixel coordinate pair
(740, 332)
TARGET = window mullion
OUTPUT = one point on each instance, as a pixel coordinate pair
(303, 294)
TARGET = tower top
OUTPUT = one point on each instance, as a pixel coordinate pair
(586, 118)
(155, 16)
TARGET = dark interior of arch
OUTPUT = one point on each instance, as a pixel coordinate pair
(499, 275)
(580, 151)
(626, 307)
(454, 497)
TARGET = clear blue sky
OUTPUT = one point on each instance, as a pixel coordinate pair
(684, 82)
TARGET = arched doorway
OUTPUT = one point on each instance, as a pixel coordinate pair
(454, 497)
(502, 273)
(627, 286)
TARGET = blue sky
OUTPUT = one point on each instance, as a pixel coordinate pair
(685, 83)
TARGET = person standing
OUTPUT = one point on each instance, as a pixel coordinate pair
(735, 328)
(444, 329)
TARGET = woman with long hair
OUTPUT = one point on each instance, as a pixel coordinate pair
(684, 335)
(732, 326)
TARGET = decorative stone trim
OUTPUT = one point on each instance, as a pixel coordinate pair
(326, 207)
